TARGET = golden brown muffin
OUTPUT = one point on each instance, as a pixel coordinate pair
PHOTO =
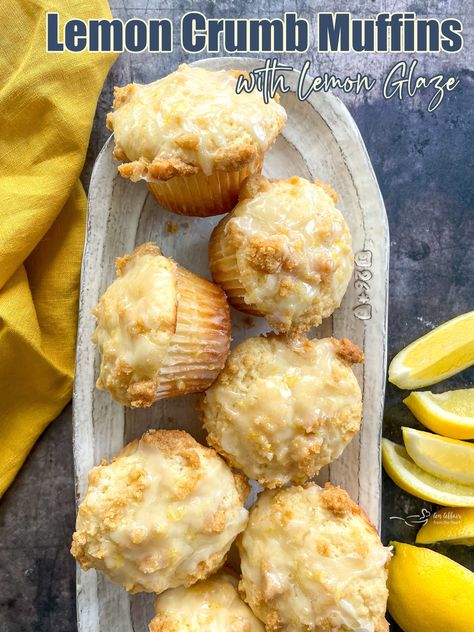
(282, 408)
(312, 561)
(213, 605)
(284, 252)
(192, 137)
(162, 331)
(162, 514)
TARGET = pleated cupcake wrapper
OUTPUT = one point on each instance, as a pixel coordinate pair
(200, 195)
(200, 345)
(225, 271)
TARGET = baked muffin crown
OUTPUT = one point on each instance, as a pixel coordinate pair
(284, 252)
(283, 407)
(162, 514)
(213, 604)
(136, 320)
(191, 120)
(311, 559)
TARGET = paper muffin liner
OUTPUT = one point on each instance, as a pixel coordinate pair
(225, 271)
(200, 195)
(200, 345)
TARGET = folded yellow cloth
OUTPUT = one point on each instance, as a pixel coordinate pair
(47, 105)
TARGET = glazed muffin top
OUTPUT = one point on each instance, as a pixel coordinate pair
(191, 120)
(162, 514)
(213, 605)
(292, 250)
(311, 560)
(282, 408)
(136, 320)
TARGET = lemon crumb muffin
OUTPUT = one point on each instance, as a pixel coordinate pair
(192, 138)
(282, 408)
(162, 331)
(311, 560)
(162, 514)
(284, 252)
(213, 605)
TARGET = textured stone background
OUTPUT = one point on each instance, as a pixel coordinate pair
(424, 163)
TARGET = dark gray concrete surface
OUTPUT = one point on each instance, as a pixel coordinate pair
(424, 163)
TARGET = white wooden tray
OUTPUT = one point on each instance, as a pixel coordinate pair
(320, 140)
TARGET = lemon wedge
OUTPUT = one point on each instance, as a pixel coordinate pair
(437, 355)
(454, 525)
(408, 476)
(428, 592)
(449, 459)
(450, 414)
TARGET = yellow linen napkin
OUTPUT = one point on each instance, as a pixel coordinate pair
(47, 105)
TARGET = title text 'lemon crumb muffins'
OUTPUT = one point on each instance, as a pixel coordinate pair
(285, 252)
(282, 408)
(192, 138)
(213, 605)
(311, 560)
(161, 331)
(162, 514)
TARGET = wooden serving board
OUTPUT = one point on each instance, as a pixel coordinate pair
(320, 140)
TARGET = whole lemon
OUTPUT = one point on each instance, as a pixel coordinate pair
(428, 592)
